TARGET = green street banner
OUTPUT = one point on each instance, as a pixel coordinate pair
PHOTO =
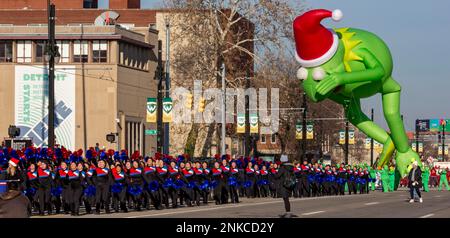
(151, 109)
(298, 131)
(309, 131)
(240, 128)
(167, 110)
(445, 150)
(414, 147)
(351, 137)
(420, 147)
(31, 104)
(254, 123)
(341, 137)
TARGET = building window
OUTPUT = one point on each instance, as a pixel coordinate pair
(273, 139)
(134, 137)
(100, 51)
(90, 4)
(24, 50)
(5, 51)
(64, 50)
(39, 52)
(80, 51)
(263, 139)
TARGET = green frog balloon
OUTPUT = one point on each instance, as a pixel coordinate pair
(346, 65)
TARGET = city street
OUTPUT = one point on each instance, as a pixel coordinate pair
(374, 205)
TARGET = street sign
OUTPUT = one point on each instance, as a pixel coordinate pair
(150, 132)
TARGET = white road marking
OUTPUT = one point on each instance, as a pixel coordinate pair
(428, 215)
(311, 213)
(437, 196)
(371, 203)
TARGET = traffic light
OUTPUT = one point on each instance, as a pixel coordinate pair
(202, 104)
(188, 102)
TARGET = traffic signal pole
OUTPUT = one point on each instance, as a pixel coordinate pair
(160, 75)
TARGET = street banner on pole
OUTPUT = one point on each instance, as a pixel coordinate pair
(151, 109)
(309, 131)
(240, 128)
(167, 110)
(342, 137)
(413, 146)
(420, 147)
(298, 131)
(254, 123)
(351, 137)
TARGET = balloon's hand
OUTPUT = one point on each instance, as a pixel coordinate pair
(330, 82)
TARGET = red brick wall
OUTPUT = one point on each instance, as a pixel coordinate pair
(124, 4)
(40, 4)
(64, 17)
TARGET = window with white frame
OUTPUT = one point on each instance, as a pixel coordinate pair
(64, 50)
(263, 139)
(273, 139)
(80, 51)
(100, 51)
(24, 51)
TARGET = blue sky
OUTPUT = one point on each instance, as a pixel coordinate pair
(418, 35)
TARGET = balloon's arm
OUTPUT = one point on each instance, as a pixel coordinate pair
(374, 70)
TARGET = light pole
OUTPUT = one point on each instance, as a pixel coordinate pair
(51, 56)
(223, 145)
(305, 108)
(443, 138)
(371, 143)
(167, 78)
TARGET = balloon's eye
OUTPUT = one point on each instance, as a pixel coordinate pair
(318, 74)
(302, 74)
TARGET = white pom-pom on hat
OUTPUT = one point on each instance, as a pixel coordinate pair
(302, 73)
(337, 15)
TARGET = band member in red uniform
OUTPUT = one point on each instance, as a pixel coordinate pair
(32, 185)
(189, 181)
(225, 186)
(172, 183)
(305, 190)
(264, 182)
(273, 182)
(152, 185)
(62, 181)
(216, 182)
(161, 172)
(45, 181)
(206, 182)
(250, 180)
(136, 184)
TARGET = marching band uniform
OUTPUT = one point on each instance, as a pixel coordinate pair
(273, 182)
(62, 181)
(351, 183)
(152, 185)
(216, 181)
(173, 189)
(74, 191)
(188, 189)
(250, 181)
(102, 181)
(89, 189)
(119, 190)
(225, 186)
(327, 183)
(32, 185)
(198, 178)
(44, 190)
(264, 182)
(304, 185)
(206, 181)
(136, 186)
(161, 172)
(341, 180)
(233, 182)
(297, 173)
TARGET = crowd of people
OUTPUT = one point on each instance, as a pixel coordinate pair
(60, 181)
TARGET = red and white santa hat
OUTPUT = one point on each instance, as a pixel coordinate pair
(314, 43)
(14, 162)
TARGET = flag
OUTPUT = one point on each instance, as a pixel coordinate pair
(298, 131)
(254, 123)
(151, 109)
(309, 131)
(341, 137)
(167, 110)
(240, 128)
(351, 137)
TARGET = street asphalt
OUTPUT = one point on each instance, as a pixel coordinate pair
(376, 204)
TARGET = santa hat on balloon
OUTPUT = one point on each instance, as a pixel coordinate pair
(14, 162)
(314, 43)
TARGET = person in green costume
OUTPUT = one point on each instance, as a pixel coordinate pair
(346, 65)
(391, 178)
(385, 178)
(426, 179)
(373, 178)
(443, 179)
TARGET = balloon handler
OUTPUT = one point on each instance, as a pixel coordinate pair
(346, 65)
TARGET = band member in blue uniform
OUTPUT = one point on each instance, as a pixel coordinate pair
(225, 194)
(62, 181)
(305, 190)
(161, 172)
(341, 179)
(206, 182)
(297, 172)
(250, 180)
(172, 183)
(32, 185)
(89, 187)
(273, 182)
(188, 177)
